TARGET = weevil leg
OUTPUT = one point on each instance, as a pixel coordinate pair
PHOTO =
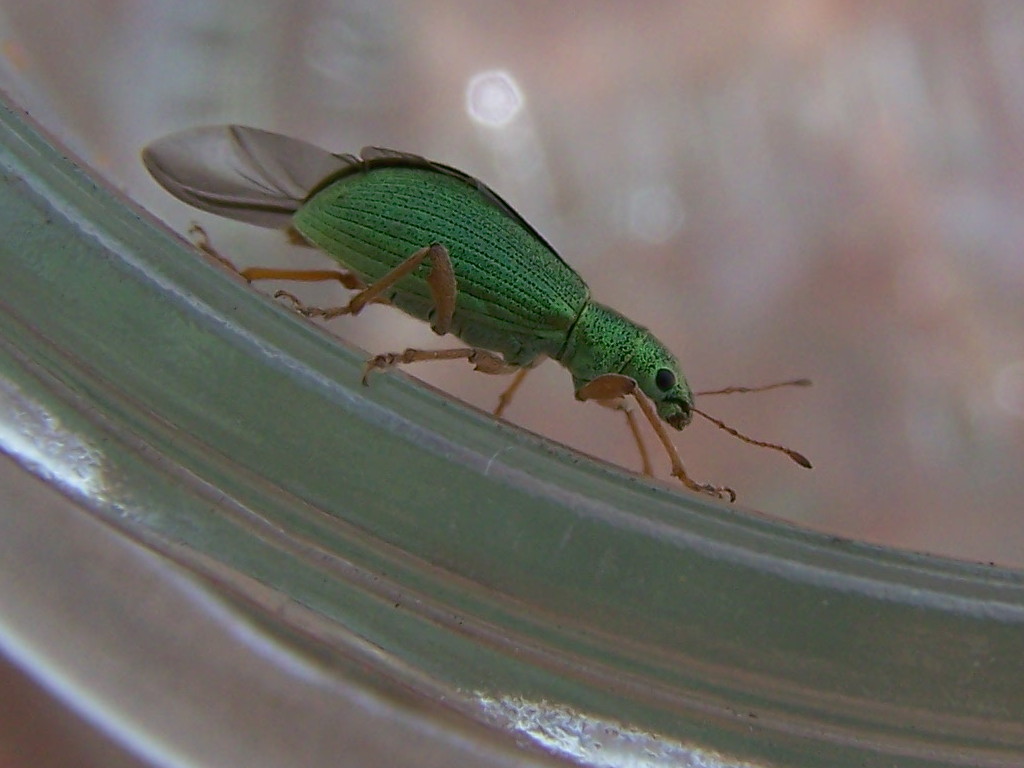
(634, 427)
(295, 238)
(481, 359)
(621, 405)
(506, 397)
(202, 241)
(347, 279)
(615, 400)
(441, 281)
(608, 386)
(613, 385)
(678, 470)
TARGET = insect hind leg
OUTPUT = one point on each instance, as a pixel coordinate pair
(202, 241)
(441, 281)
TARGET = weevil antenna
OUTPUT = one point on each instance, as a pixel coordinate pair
(799, 458)
(762, 388)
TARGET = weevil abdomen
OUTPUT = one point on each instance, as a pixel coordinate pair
(515, 294)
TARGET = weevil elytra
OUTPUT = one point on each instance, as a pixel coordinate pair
(443, 247)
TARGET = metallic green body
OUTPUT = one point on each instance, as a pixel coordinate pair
(514, 294)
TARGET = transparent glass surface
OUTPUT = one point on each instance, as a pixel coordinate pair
(242, 552)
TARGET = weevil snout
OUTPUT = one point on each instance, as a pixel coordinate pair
(681, 413)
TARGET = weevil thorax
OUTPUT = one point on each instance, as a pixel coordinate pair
(604, 341)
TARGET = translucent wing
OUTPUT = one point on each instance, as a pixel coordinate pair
(383, 154)
(242, 173)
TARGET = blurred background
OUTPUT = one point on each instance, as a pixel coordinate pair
(778, 188)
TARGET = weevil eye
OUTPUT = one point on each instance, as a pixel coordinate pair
(664, 379)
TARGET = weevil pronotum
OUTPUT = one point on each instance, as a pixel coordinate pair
(443, 247)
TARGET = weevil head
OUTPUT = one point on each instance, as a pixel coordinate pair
(604, 341)
(657, 373)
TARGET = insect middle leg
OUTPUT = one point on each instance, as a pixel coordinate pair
(481, 359)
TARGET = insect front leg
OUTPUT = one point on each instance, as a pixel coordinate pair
(613, 386)
(441, 281)
(604, 393)
(622, 405)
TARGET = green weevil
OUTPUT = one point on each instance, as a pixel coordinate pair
(440, 245)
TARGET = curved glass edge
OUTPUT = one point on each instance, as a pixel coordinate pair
(153, 667)
(474, 563)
